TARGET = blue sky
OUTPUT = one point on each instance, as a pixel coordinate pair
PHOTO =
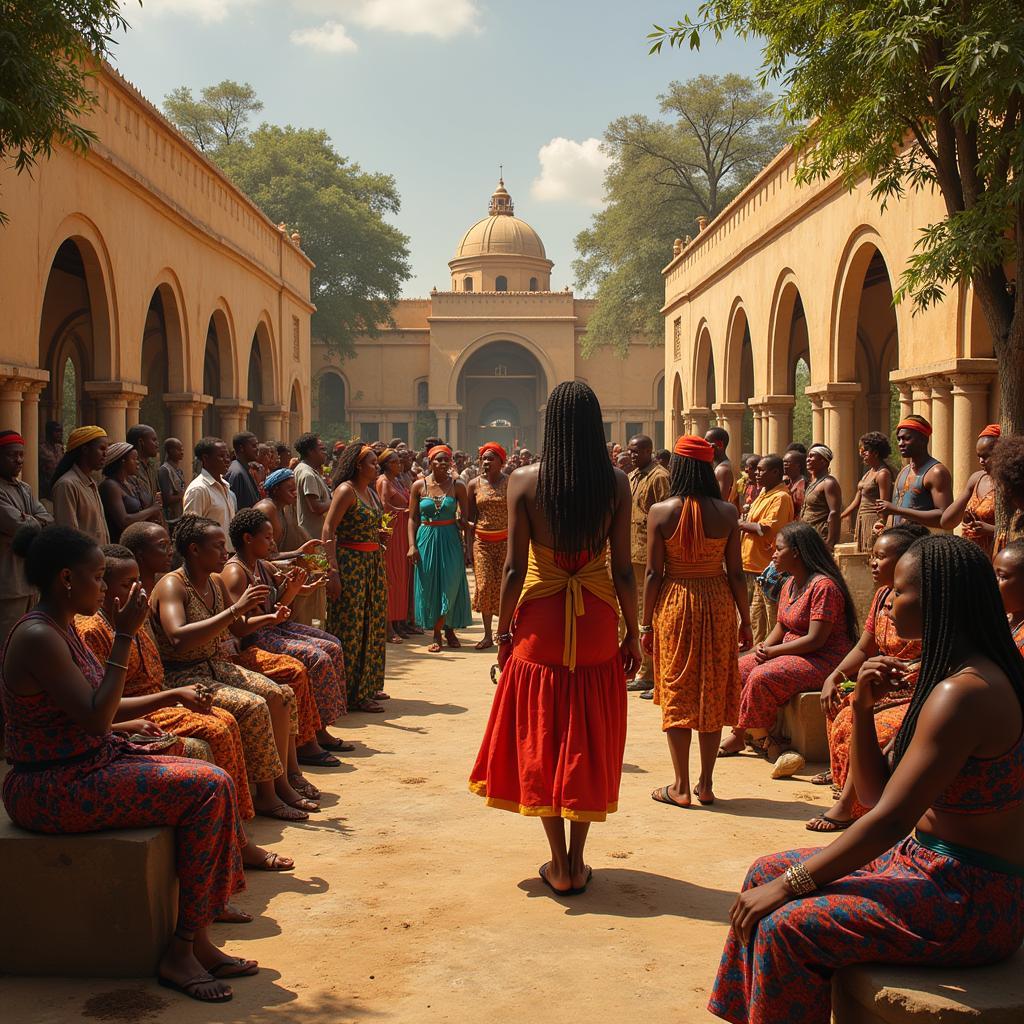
(438, 93)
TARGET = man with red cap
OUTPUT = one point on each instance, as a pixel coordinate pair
(18, 508)
(924, 487)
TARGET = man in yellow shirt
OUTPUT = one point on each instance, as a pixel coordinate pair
(771, 510)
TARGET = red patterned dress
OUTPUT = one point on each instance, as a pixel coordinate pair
(768, 685)
(65, 780)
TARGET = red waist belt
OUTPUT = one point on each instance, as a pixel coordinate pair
(492, 536)
(440, 522)
(359, 545)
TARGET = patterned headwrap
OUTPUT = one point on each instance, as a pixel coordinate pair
(385, 455)
(362, 452)
(83, 435)
(992, 430)
(689, 446)
(493, 446)
(115, 451)
(439, 448)
(921, 426)
(277, 477)
(823, 450)
(10, 437)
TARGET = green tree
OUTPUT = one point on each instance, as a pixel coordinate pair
(295, 175)
(920, 94)
(715, 135)
(219, 117)
(48, 53)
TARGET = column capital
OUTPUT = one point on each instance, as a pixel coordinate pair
(969, 383)
(114, 392)
(27, 376)
(236, 405)
(941, 386)
(728, 407)
(697, 410)
(777, 402)
(271, 410)
(190, 401)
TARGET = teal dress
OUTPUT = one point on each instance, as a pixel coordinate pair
(441, 587)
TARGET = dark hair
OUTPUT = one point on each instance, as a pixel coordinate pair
(663, 456)
(138, 535)
(249, 520)
(50, 426)
(281, 448)
(1015, 549)
(774, 461)
(691, 478)
(191, 529)
(137, 433)
(241, 437)
(395, 442)
(797, 446)
(907, 533)
(1007, 465)
(206, 446)
(347, 465)
(48, 551)
(172, 440)
(576, 483)
(818, 561)
(959, 601)
(875, 441)
(68, 459)
(719, 434)
(117, 553)
(306, 443)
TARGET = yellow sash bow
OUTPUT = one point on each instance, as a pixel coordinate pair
(545, 577)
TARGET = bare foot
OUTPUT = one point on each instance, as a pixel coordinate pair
(233, 915)
(453, 640)
(734, 744)
(704, 793)
(581, 876)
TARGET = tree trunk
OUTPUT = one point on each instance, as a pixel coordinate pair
(1011, 375)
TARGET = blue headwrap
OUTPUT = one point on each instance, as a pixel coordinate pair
(277, 477)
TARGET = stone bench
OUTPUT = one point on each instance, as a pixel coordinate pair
(803, 721)
(102, 904)
(880, 994)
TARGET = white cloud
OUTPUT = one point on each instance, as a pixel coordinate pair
(206, 11)
(440, 18)
(330, 37)
(572, 171)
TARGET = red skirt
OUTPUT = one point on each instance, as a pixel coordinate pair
(555, 739)
(396, 565)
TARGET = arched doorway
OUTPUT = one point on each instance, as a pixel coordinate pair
(154, 371)
(501, 389)
(295, 413)
(330, 417)
(260, 379)
(790, 361)
(217, 375)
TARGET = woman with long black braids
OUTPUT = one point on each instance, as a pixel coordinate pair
(554, 743)
(953, 892)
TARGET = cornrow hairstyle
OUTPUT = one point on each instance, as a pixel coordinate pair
(959, 602)
(249, 520)
(48, 551)
(907, 533)
(818, 561)
(347, 465)
(191, 529)
(691, 478)
(576, 482)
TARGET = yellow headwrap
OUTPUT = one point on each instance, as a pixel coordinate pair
(385, 455)
(83, 435)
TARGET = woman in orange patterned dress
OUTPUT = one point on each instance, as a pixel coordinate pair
(694, 589)
(488, 519)
(976, 506)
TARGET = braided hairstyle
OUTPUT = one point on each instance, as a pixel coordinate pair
(347, 465)
(575, 482)
(248, 521)
(959, 602)
(818, 561)
(191, 529)
(691, 478)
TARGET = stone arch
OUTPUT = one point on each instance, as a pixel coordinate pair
(164, 351)
(705, 384)
(220, 368)
(295, 410)
(738, 380)
(789, 356)
(330, 397)
(471, 349)
(678, 426)
(261, 374)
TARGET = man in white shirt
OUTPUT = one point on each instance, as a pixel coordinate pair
(208, 494)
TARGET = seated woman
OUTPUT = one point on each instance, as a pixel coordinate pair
(71, 774)
(816, 628)
(879, 637)
(252, 537)
(953, 892)
(191, 621)
(183, 711)
(121, 505)
(1009, 568)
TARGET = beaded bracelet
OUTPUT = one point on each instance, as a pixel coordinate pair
(504, 638)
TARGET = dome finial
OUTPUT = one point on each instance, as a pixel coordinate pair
(501, 201)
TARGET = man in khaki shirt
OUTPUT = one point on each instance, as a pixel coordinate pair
(771, 510)
(76, 498)
(649, 484)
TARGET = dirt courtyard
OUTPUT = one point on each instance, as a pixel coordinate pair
(411, 901)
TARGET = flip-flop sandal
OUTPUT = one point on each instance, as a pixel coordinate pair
(722, 752)
(339, 746)
(189, 988)
(284, 812)
(435, 648)
(305, 804)
(660, 796)
(232, 915)
(370, 707)
(833, 824)
(579, 890)
(542, 871)
(304, 788)
(483, 645)
(236, 967)
(821, 779)
(271, 862)
(325, 759)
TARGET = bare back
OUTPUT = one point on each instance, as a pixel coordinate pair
(719, 517)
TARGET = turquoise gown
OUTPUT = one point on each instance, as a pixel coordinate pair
(441, 587)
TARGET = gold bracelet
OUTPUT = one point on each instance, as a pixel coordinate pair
(117, 664)
(799, 880)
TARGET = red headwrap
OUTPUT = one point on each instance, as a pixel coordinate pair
(439, 448)
(921, 428)
(691, 447)
(493, 446)
(992, 430)
(10, 437)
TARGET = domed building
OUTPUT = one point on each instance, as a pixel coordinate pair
(476, 363)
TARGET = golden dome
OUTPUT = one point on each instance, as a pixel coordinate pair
(501, 234)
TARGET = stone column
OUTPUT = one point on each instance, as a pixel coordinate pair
(30, 431)
(730, 416)
(942, 423)
(817, 418)
(112, 398)
(699, 419)
(778, 414)
(970, 415)
(275, 422)
(906, 398)
(11, 390)
(759, 431)
(186, 414)
(133, 410)
(838, 402)
(232, 413)
(922, 398)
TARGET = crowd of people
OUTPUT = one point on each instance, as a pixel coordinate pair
(201, 633)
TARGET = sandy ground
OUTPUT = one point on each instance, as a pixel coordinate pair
(414, 902)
